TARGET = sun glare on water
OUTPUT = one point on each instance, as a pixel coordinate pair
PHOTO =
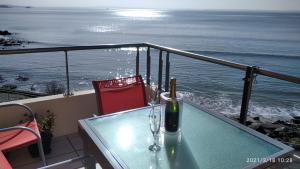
(102, 28)
(140, 13)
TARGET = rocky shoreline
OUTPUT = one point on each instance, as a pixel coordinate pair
(11, 86)
(8, 39)
(287, 132)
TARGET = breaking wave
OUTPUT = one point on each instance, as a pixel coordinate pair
(228, 107)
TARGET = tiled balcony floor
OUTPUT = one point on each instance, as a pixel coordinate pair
(70, 146)
(63, 148)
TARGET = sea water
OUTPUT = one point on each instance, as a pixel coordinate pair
(269, 40)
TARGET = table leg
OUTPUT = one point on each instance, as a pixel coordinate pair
(89, 162)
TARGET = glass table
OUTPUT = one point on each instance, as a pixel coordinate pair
(207, 141)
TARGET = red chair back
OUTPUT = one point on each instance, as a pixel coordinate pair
(4, 164)
(120, 94)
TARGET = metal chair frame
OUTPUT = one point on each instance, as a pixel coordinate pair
(26, 108)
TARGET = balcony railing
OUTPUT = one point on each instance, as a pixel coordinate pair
(249, 70)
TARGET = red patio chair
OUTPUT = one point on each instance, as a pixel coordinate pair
(4, 164)
(19, 136)
(120, 94)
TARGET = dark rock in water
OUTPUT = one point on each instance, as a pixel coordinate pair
(5, 6)
(251, 120)
(248, 123)
(295, 143)
(297, 117)
(292, 133)
(22, 78)
(2, 40)
(4, 33)
(9, 86)
(270, 126)
(10, 42)
(33, 87)
(296, 121)
(285, 123)
(256, 118)
(255, 125)
(274, 134)
(235, 118)
(1, 79)
(279, 132)
(261, 130)
(280, 129)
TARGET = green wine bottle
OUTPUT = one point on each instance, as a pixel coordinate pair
(172, 110)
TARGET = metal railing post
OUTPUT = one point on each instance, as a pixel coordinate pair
(67, 93)
(248, 80)
(137, 61)
(148, 66)
(167, 72)
(160, 67)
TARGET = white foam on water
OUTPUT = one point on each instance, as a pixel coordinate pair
(83, 83)
(102, 28)
(224, 105)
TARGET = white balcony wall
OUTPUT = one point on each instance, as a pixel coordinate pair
(68, 110)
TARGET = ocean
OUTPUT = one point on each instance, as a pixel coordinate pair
(270, 40)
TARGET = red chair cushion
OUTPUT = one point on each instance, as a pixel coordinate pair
(4, 164)
(120, 94)
(14, 139)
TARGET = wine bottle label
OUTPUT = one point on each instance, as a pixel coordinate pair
(172, 116)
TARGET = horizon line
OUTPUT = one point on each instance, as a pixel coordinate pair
(174, 9)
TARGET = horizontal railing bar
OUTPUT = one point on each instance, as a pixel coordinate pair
(70, 48)
(239, 66)
(276, 75)
(263, 72)
(200, 57)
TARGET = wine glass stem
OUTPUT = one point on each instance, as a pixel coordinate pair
(155, 136)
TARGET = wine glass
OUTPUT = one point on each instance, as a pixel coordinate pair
(153, 98)
(154, 119)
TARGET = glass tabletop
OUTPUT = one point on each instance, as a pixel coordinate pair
(206, 142)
